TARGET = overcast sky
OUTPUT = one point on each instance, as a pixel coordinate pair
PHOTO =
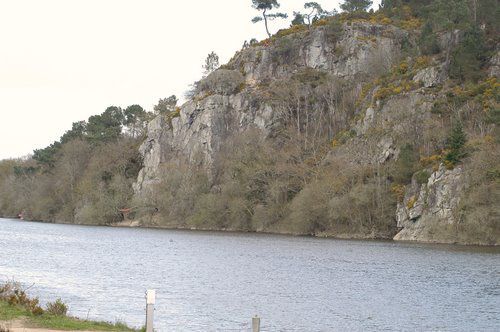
(64, 60)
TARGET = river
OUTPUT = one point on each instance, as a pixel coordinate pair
(211, 281)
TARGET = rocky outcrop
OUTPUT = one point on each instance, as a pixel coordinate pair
(352, 51)
(384, 124)
(429, 77)
(205, 121)
(198, 132)
(495, 65)
(427, 206)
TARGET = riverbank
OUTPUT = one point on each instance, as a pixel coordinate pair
(18, 318)
(21, 312)
(328, 235)
(374, 236)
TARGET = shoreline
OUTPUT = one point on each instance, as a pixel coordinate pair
(339, 237)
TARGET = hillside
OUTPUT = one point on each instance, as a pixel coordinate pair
(360, 125)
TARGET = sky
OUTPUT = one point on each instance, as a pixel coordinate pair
(62, 61)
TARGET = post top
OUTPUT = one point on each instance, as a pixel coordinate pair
(150, 296)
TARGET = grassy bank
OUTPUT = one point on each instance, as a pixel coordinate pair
(14, 312)
(16, 305)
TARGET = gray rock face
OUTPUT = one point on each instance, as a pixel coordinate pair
(354, 51)
(205, 122)
(387, 150)
(429, 77)
(154, 150)
(495, 65)
(433, 202)
(198, 133)
(384, 125)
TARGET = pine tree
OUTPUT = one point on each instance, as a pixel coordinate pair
(470, 56)
(455, 145)
(265, 6)
(428, 42)
(355, 5)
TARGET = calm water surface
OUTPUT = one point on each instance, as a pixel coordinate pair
(218, 281)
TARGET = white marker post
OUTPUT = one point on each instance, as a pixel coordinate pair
(256, 324)
(150, 307)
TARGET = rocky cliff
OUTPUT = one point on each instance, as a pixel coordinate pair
(205, 121)
(399, 99)
(427, 205)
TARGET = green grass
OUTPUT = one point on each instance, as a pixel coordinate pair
(8, 312)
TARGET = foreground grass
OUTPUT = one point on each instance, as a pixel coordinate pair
(65, 323)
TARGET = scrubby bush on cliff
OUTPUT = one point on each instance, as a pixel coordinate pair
(222, 81)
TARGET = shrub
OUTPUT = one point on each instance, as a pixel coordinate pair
(284, 50)
(422, 176)
(293, 29)
(411, 202)
(222, 81)
(311, 76)
(57, 308)
(15, 295)
(405, 165)
(334, 30)
(342, 137)
(398, 190)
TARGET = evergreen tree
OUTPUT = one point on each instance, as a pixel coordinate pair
(355, 5)
(211, 63)
(428, 41)
(136, 119)
(455, 144)
(77, 131)
(106, 126)
(166, 105)
(470, 55)
(265, 6)
(298, 18)
(449, 14)
(316, 12)
(47, 156)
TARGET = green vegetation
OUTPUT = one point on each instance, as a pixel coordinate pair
(405, 165)
(428, 41)
(57, 308)
(16, 304)
(86, 177)
(469, 58)
(222, 81)
(265, 6)
(10, 312)
(314, 13)
(211, 63)
(455, 145)
(355, 5)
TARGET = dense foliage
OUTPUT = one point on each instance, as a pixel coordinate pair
(85, 177)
